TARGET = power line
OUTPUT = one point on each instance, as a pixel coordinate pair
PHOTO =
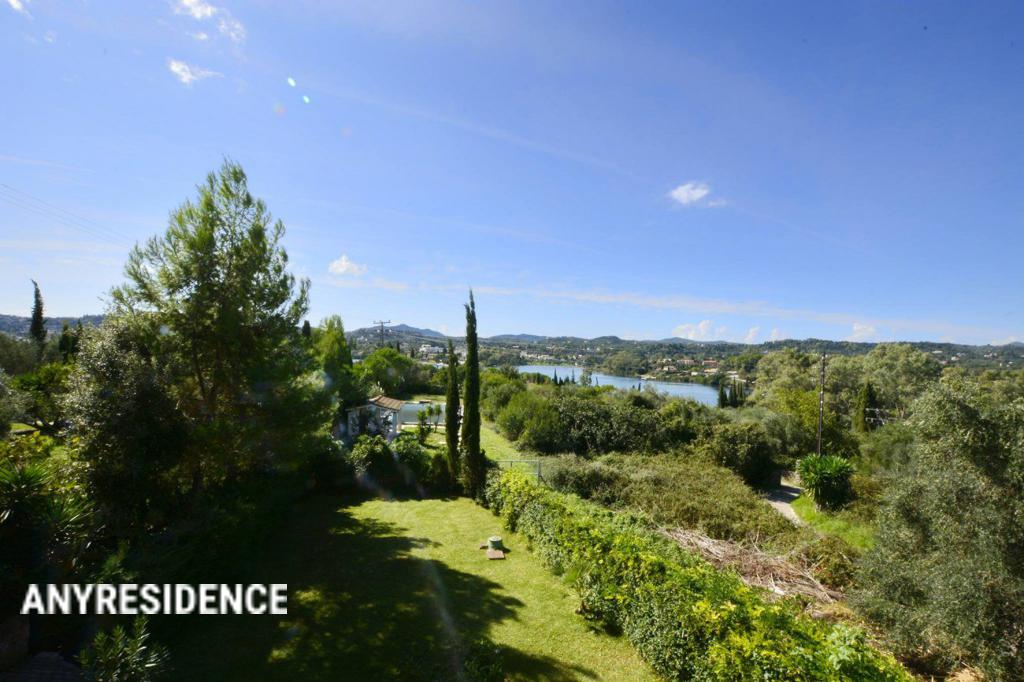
(28, 202)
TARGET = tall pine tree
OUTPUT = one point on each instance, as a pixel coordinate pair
(37, 328)
(473, 470)
(451, 413)
(723, 399)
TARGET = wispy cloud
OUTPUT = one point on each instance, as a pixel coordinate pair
(203, 11)
(862, 332)
(860, 325)
(197, 9)
(752, 335)
(344, 266)
(24, 161)
(232, 28)
(375, 283)
(18, 6)
(705, 330)
(187, 74)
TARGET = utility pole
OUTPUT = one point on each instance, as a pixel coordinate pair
(381, 323)
(821, 401)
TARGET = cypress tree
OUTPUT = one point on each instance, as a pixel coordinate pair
(473, 459)
(867, 402)
(37, 328)
(307, 331)
(723, 400)
(451, 413)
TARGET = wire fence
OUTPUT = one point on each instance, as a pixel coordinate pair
(530, 466)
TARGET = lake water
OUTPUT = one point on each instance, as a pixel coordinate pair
(699, 392)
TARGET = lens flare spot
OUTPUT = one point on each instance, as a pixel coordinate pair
(291, 81)
(305, 98)
(279, 109)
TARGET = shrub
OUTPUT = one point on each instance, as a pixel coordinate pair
(827, 479)
(687, 619)
(833, 561)
(590, 480)
(742, 447)
(373, 462)
(124, 656)
(945, 577)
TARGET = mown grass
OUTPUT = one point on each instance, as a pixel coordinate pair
(396, 590)
(857, 533)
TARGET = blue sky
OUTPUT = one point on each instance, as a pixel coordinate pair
(742, 171)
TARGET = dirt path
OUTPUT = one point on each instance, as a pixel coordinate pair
(781, 498)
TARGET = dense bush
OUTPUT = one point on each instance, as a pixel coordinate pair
(675, 491)
(742, 447)
(827, 479)
(946, 575)
(128, 425)
(687, 619)
(591, 480)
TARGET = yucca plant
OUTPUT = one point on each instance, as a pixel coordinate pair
(827, 479)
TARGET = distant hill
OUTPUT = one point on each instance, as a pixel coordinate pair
(16, 325)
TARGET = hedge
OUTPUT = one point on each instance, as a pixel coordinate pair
(688, 619)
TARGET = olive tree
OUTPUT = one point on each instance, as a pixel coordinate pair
(946, 576)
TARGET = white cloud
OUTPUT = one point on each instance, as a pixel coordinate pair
(862, 332)
(717, 203)
(690, 193)
(18, 6)
(344, 266)
(775, 335)
(232, 28)
(201, 11)
(702, 331)
(50, 37)
(1003, 342)
(197, 9)
(752, 335)
(187, 73)
(201, 36)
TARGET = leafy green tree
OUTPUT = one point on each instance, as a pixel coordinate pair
(474, 465)
(743, 447)
(17, 356)
(390, 371)
(802, 406)
(37, 327)
(129, 429)
(946, 575)
(67, 345)
(335, 359)
(899, 374)
(12, 403)
(43, 388)
(221, 303)
(451, 412)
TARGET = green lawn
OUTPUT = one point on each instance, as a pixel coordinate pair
(393, 590)
(18, 427)
(858, 534)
